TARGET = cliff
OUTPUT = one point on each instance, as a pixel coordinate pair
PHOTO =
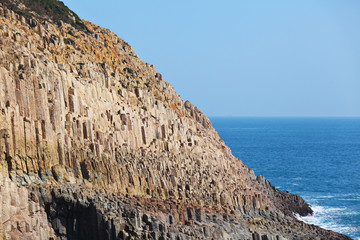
(104, 147)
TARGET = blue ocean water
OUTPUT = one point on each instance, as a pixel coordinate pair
(317, 158)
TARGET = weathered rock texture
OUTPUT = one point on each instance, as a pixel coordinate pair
(81, 112)
(21, 216)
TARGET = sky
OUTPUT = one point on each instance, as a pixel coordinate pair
(245, 58)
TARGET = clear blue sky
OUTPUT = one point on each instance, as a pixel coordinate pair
(246, 58)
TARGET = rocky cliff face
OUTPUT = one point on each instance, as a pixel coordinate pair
(21, 215)
(100, 139)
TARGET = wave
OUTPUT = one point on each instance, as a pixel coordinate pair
(341, 196)
(348, 199)
(326, 197)
(329, 218)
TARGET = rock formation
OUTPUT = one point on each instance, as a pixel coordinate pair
(99, 146)
(21, 216)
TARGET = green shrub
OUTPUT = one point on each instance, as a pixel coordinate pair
(69, 41)
(128, 70)
(47, 9)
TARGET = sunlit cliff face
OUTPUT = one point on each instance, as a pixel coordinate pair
(83, 119)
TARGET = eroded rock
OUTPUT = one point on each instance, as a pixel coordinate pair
(81, 112)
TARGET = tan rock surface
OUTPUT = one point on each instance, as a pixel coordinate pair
(83, 109)
(21, 216)
(93, 112)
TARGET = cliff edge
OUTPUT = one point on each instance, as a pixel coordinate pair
(103, 147)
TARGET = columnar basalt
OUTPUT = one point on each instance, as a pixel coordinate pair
(81, 109)
(21, 215)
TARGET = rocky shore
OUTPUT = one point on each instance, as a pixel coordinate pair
(95, 144)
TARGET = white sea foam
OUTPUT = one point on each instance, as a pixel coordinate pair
(348, 199)
(326, 197)
(326, 217)
(351, 194)
(347, 196)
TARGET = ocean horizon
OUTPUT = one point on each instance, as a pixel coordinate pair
(315, 157)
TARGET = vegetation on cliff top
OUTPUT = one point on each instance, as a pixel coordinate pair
(46, 10)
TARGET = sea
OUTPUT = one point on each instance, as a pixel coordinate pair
(317, 158)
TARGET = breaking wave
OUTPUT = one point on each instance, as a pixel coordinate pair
(328, 218)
